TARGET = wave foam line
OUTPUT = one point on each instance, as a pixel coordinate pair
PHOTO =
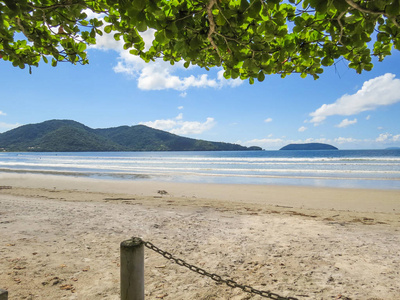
(123, 175)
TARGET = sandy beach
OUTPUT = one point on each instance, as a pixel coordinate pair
(60, 236)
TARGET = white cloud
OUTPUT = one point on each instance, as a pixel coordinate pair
(148, 37)
(268, 120)
(342, 140)
(194, 127)
(161, 124)
(2, 113)
(346, 122)
(227, 82)
(368, 117)
(388, 137)
(90, 14)
(183, 95)
(383, 137)
(380, 91)
(5, 126)
(107, 42)
(178, 126)
(180, 107)
(158, 74)
(380, 128)
(302, 129)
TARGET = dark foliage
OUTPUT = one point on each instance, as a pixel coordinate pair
(71, 136)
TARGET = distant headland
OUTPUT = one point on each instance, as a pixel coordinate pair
(309, 146)
(71, 136)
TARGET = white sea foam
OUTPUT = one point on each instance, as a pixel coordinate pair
(246, 166)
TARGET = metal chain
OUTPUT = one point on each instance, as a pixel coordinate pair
(215, 277)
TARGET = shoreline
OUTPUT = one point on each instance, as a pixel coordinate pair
(392, 183)
(60, 238)
(351, 199)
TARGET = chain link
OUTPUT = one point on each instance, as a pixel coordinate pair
(215, 277)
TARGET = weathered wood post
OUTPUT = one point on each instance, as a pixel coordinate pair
(3, 294)
(132, 269)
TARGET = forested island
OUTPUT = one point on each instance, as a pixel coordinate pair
(309, 146)
(72, 136)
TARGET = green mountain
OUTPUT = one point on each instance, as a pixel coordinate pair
(71, 136)
(309, 146)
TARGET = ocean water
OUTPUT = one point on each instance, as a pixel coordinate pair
(340, 168)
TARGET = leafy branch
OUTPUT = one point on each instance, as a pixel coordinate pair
(373, 12)
(248, 38)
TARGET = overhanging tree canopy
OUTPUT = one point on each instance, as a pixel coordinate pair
(248, 38)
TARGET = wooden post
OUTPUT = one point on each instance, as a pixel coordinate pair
(3, 294)
(132, 269)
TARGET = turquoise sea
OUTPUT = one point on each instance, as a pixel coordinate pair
(340, 168)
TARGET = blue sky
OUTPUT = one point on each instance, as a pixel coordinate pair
(342, 108)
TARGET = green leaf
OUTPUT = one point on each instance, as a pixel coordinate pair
(261, 76)
(161, 37)
(340, 5)
(393, 9)
(254, 9)
(195, 42)
(169, 34)
(92, 33)
(12, 5)
(108, 28)
(243, 5)
(220, 20)
(320, 6)
(81, 47)
(327, 61)
(138, 4)
(141, 26)
(368, 67)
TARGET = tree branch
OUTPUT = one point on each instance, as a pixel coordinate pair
(53, 6)
(373, 12)
(362, 9)
(212, 26)
(341, 26)
(22, 28)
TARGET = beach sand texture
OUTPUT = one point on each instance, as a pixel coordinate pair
(60, 236)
